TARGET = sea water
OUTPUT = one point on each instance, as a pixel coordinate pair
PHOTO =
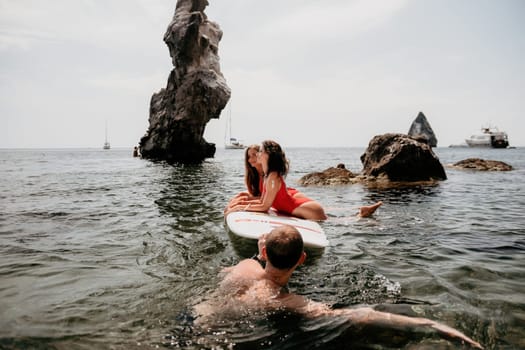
(102, 250)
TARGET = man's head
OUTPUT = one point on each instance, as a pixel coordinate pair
(284, 247)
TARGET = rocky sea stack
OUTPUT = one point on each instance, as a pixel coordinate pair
(422, 131)
(482, 165)
(401, 158)
(196, 90)
(331, 176)
(389, 160)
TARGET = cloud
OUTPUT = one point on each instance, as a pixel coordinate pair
(116, 23)
(118, 83)
(327, 73)
(293, 37)
(321, 20)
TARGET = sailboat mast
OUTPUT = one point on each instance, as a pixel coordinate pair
(230, 119)
(228, 128)
(106, 143)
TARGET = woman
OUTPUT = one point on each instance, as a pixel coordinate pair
(275, 193)
(253, 178)
(253, 172)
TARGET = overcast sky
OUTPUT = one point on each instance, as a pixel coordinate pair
(305, 73)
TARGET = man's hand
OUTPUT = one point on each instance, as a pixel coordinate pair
(260, 244)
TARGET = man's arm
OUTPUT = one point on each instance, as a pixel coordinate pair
(366, 316)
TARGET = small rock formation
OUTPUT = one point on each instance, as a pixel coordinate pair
(421, 130)
(196, 90)
(401, 158)
(482, 165)
(331, 176)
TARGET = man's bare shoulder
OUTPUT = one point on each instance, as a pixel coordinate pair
(245, 268)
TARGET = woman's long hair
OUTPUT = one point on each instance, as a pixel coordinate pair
(251, 174)
(276, 158)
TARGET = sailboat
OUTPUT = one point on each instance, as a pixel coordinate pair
(231, 142)
(106, 143)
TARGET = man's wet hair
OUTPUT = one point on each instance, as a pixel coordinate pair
(284, 247)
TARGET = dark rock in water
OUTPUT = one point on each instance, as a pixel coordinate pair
(482, 165)
(390, 160)
(331, 176)
(401, 158)
(421, 130)
(196, 90)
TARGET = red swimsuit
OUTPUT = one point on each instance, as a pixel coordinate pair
(284, 202)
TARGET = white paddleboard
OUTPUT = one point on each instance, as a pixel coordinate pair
(252, 225)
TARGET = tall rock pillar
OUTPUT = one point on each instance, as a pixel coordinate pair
(422, 131)
(196, 90)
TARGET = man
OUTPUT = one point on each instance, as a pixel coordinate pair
(249, 285)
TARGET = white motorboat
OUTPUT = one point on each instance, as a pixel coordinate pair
(490, 137)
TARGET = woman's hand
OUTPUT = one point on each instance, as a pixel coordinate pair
(231, 209)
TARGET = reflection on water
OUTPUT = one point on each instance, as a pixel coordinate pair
(102, 250)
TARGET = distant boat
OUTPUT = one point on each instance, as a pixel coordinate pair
(490, 137)
(231, 142)
(106, 143)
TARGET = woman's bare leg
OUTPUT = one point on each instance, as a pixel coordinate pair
(311, 211)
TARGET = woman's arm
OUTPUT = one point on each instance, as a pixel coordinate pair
(243, 205)
(272, 185)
